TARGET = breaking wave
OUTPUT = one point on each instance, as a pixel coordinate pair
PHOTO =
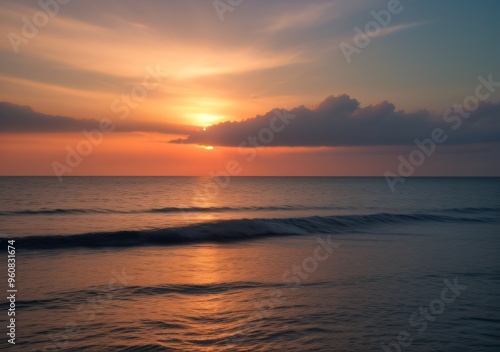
(237, 229)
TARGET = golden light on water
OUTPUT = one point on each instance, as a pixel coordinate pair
(209, 147)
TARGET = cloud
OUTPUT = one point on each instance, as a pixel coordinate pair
(303, 17)
(397, 28)
(341, 121)
(23, 119)
(386, 31)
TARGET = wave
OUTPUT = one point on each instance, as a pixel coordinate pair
(468, 210)
(221, 209)
(233, 230)
(63, 299)
(166, 210)
(471, 210)
(54, 211)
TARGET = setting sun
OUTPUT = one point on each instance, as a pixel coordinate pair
(207, 119)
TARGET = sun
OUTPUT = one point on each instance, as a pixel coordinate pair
(207, 119)
(209, 147)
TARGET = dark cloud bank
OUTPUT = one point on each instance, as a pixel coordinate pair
(337, 121)
(23, 119)
(340, 121)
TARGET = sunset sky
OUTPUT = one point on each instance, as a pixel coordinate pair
(157, 73)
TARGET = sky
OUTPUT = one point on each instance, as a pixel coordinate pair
(250, 87)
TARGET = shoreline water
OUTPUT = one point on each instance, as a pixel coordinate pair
(273, 289)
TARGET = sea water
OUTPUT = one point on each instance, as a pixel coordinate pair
(252, 264)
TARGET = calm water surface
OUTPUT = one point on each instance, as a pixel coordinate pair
(264, 264)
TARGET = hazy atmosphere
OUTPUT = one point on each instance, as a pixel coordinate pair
(250, 175)
(365, 79)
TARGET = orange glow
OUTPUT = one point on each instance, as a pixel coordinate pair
(207, 119)
(88, 64)
(134, 154)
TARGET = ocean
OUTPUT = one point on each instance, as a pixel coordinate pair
(251, 264)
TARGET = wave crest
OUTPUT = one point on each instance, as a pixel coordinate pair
(232, 230)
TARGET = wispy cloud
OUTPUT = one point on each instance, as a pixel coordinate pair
(398, 28)
(306, 16)
(386, 31)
